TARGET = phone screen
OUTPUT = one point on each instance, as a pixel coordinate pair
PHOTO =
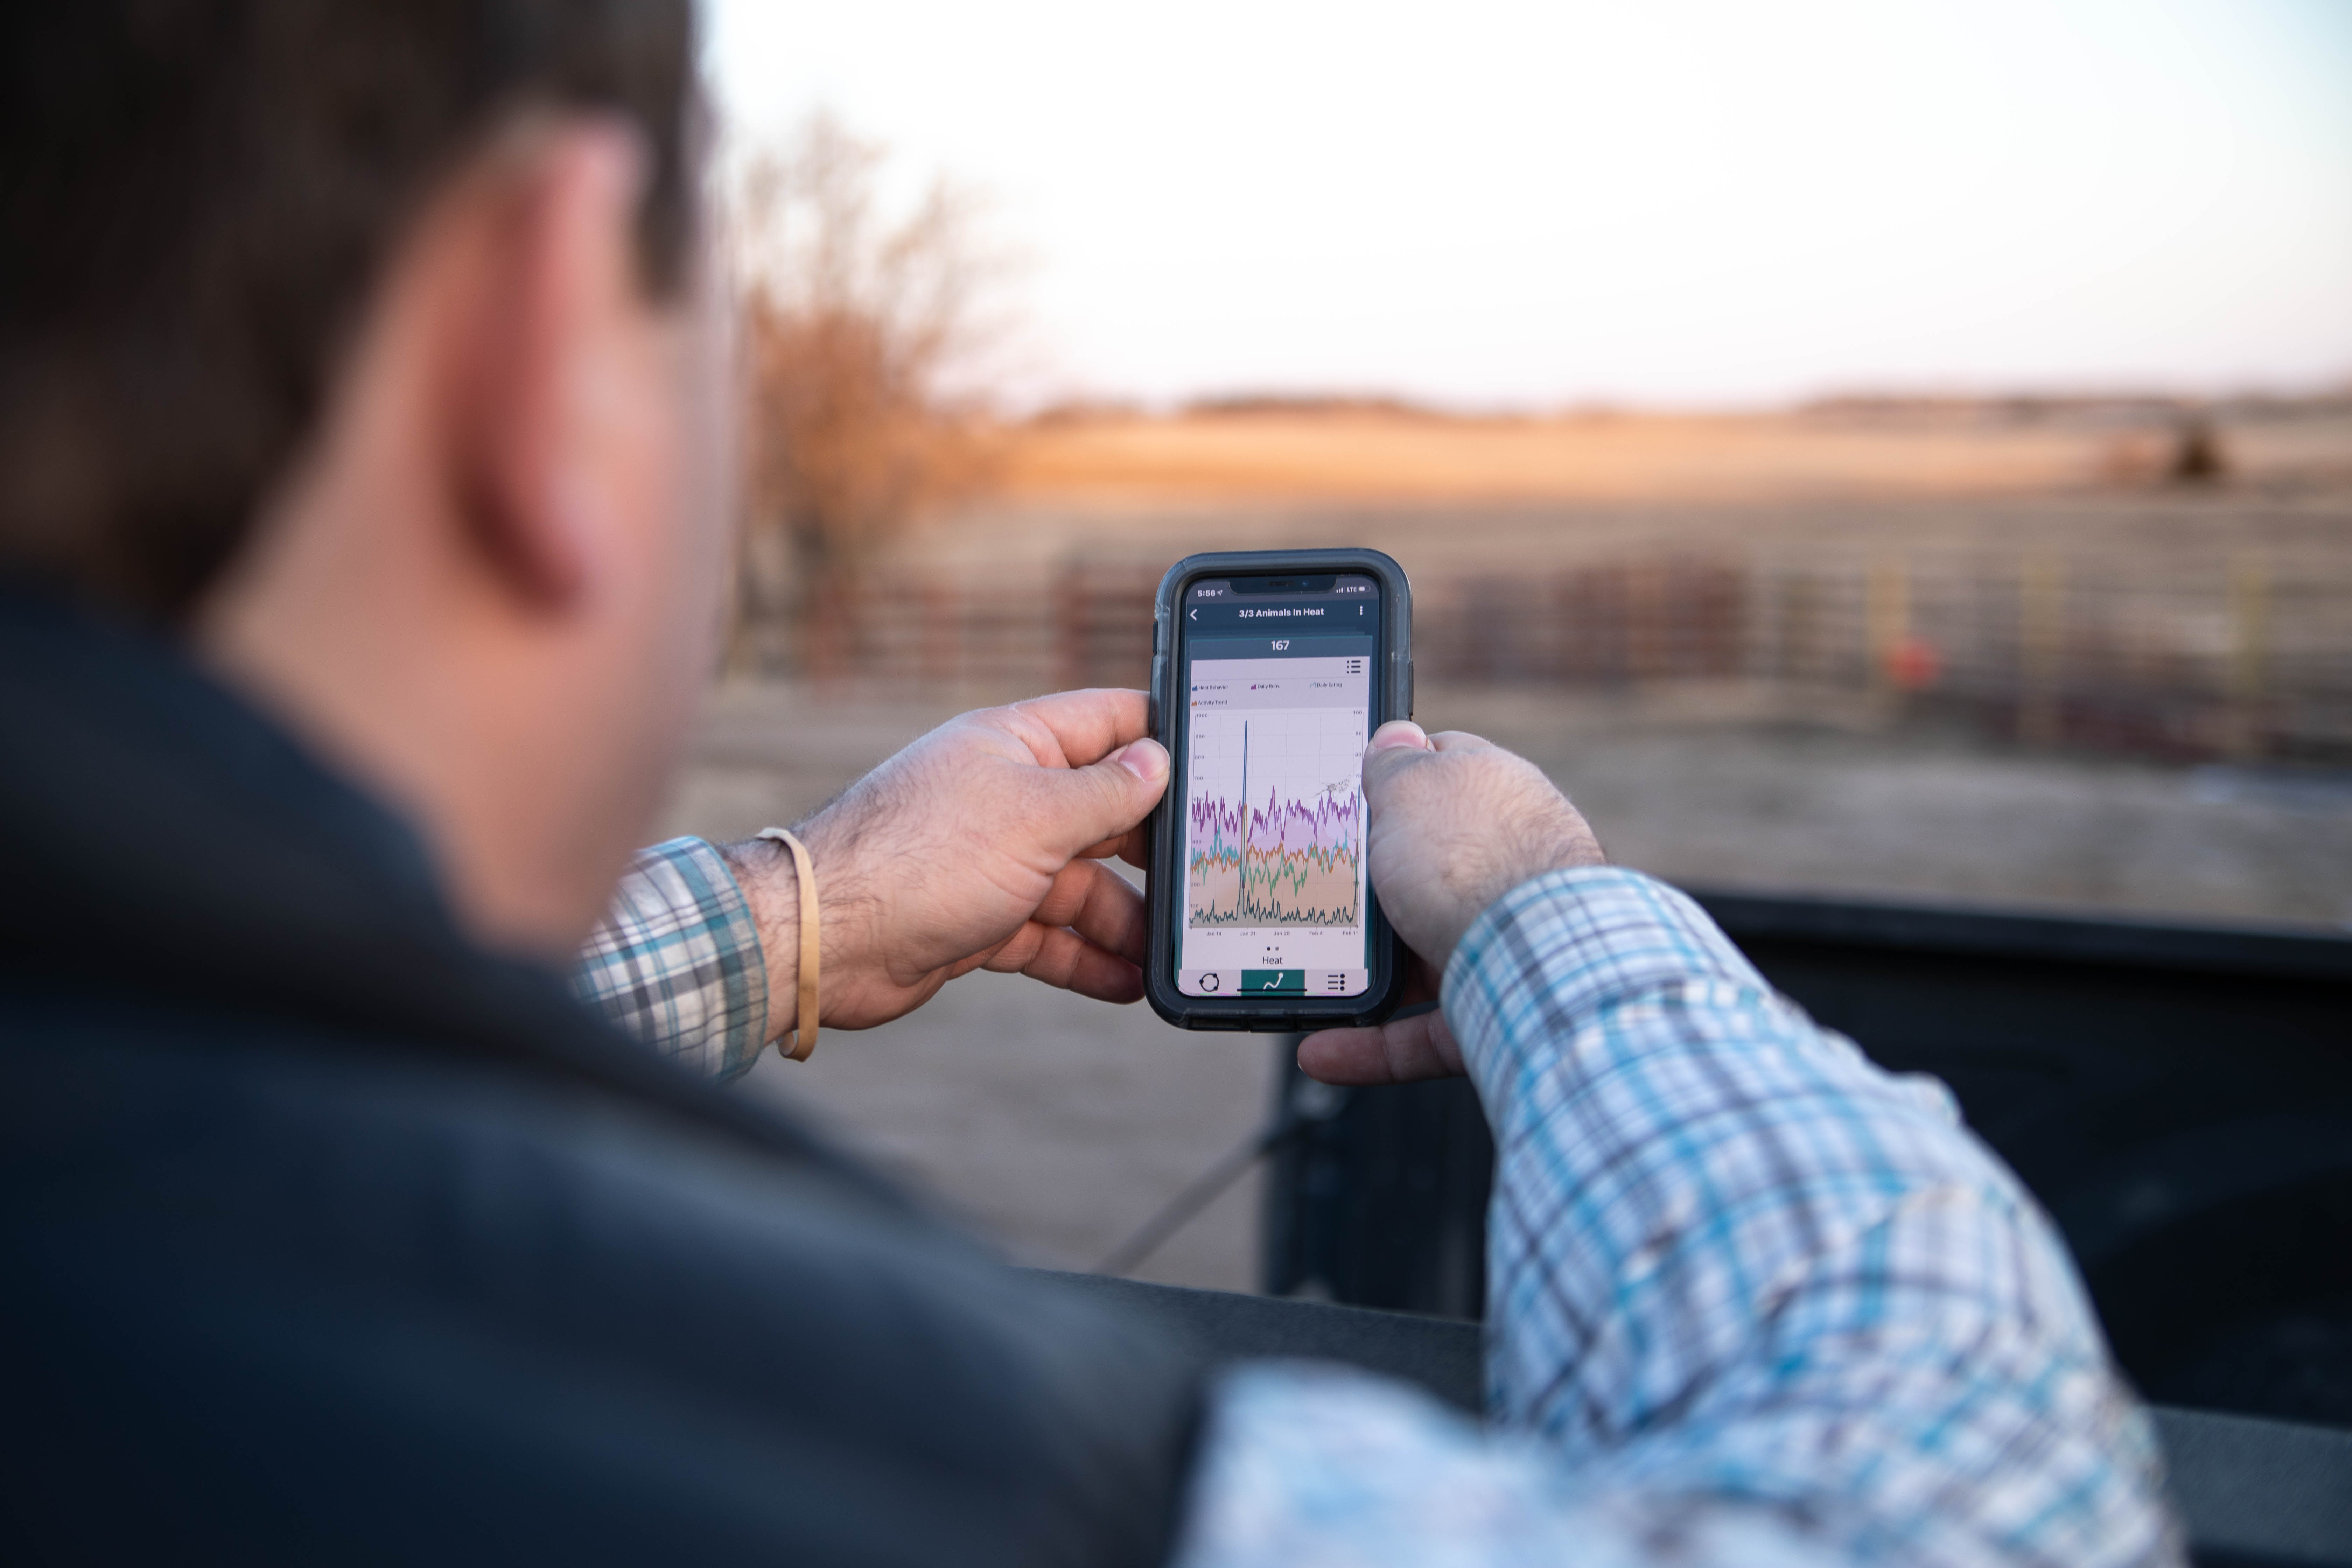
(1278, 674)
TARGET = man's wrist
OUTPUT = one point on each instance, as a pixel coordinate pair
(763, 869)
(771, 884)
(1511, 866)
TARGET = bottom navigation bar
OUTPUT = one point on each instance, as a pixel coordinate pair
(1272, 982)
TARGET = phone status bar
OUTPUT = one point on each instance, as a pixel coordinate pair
(1245, 588)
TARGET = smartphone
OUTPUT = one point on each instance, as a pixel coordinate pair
(1270, 670)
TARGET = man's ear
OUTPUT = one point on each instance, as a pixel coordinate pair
(552, 293)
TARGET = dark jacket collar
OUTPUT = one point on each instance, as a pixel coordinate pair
(161, 840)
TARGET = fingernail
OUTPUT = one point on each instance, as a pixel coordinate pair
(1145, 759)
(1399, 733)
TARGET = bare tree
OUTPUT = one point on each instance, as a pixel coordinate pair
(858, 326)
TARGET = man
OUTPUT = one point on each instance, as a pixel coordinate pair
(361, 503)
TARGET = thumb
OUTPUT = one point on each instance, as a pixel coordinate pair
(1104, 799)
(1395, 747)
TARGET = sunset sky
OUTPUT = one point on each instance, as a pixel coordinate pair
(1531, 204)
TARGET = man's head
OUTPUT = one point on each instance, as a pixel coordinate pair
(356, 342)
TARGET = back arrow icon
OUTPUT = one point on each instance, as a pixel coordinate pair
(1195, 613)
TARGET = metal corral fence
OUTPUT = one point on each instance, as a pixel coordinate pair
(2243, 654)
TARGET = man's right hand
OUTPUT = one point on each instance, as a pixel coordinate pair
(980, 846)
(1457, 822)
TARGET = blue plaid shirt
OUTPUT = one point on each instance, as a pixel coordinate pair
(676, 962)
(1751, 1300)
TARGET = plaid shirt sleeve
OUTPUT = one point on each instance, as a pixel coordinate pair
(1750, 1300)
(676, 960)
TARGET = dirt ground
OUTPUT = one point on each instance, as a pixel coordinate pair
(1056, 1125)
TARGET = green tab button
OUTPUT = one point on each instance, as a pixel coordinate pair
(1274, 982)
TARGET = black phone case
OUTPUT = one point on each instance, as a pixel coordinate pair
(1165, 827)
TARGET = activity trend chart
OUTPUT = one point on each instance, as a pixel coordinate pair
(1291, 858)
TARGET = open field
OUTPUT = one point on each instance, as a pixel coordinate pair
(1056, 1125)
(1399, 455)
(1443, 494)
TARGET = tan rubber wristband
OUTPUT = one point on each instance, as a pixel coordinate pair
(796, 1046)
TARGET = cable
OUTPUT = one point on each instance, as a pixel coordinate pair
(1205, 1190)
(1309, 1101)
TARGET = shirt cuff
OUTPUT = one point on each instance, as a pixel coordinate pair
(1548, 954)
(676, 960)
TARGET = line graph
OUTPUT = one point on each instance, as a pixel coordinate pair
(1293, 860)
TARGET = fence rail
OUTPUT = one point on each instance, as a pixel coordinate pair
(2244, 654)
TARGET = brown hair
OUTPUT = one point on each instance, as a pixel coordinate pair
(196, 198)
